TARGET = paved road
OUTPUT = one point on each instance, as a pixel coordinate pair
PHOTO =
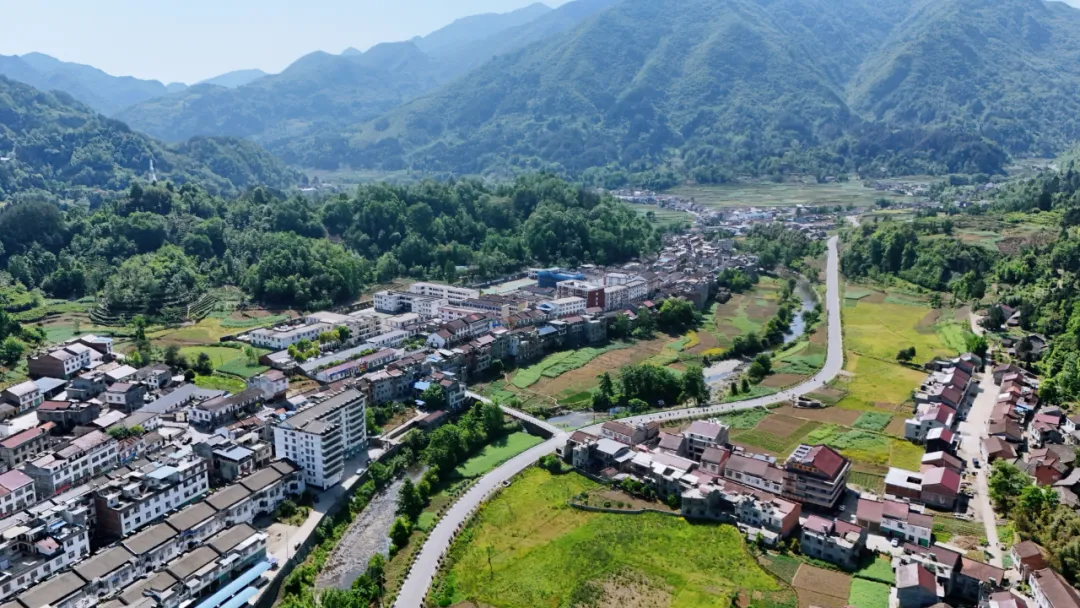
(438, 542)
(974, 429)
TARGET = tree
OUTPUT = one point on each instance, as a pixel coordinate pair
(11, 350)
(693, 385)
(745, 385)
(203, 365)
(644, 324)
(409, 502)
(761, 367)
(676, 315)
(251, 355)
(498, 368)
(400, 532)
(1006, 483)
(994, 319)
(977, 345)
(734, 388)
(621, 327)
(343, 334)
(906, 355)
(434, 397)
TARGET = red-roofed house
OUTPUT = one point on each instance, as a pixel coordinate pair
(1051, 590)
(816, 475)
(1027, 557)
(940, 487)
(895, 519)
(928, 416)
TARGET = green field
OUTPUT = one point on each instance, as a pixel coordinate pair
(873, 421)
(868, 594)
(773, 443)
(746, 419)
(946, 528)
(767, 194)
(227, 360)
(868, 448)
(880, 570)
(497, 453)
(557, 364)
(874, 385)
(882, 324)
(221, 383)
(662, 217)
(528, 548)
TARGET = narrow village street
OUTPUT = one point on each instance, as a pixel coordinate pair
(973, 430)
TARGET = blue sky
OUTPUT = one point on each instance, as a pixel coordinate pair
(191, 40)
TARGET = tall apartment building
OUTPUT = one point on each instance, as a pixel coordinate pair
(816, 475)
(16, 492)
(128, 503)
(455, 295)
(320, 438)
(397, 302)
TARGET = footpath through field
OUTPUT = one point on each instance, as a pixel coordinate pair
(438, 542)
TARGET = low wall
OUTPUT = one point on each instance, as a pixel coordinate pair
(593, 509)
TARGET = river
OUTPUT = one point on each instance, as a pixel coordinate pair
(809, 300)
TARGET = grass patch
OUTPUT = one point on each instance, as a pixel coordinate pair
(868, 481)
(426, 521)
(497, 453)
(253, 323)
(880, 329)
(783, 567)
(527, 548)
(880, 570)
(559, 363)
(746, 419)
(877, 384)
(241, 367)
(754, 393)
(867, 447)
(220, 383)
(868, 594)
(775, 443)
(873, 421)
(946, 528)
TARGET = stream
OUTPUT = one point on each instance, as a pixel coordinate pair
(809, 300)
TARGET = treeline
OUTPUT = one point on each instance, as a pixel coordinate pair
(894, 249)
(160, 246)
(778, 245)
(644, 387)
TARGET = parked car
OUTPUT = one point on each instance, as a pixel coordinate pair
(895, 542)
(977, 463)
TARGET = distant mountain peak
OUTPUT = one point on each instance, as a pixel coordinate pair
(351, 51)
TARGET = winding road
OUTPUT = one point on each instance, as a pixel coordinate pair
(423, 571)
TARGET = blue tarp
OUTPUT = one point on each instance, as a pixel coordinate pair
(242, 599)
(226, 592)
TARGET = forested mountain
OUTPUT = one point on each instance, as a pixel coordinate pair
(756, 86)
(467, 30)
(51, 143)
(104, 93)
(236, 78)
(1008, 69)
(300, 113)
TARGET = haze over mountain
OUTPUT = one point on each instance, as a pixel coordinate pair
(299, 113)
(50, 142)
(236, 78)
(102, 92)
(756, 86)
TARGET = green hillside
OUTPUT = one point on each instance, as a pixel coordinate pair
(52, 143)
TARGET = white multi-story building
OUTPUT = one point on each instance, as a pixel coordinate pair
(704, 434)
(82, 458)
(16, 492)
(282, 338)
(638, 289)
(366, 323)
(397, 302)
(758, 472)
(320, 438)
(128, 503)
(24, 396)
(616, 297)
(567, 307)
(34, 547)
(271, 384)
(455, 295)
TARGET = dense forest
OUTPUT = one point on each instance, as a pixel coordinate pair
(161, 245)
(51, 144)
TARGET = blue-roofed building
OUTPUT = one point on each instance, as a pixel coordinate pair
(548, 278)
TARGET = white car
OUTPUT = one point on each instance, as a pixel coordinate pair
(895, 542)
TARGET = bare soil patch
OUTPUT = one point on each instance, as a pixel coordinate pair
(820, 587)
(877, 297)
(927, 323)
(782, 380)
(779, 425)
(830, 414)
(895, 427)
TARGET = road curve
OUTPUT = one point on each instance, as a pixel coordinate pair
(423, 571)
